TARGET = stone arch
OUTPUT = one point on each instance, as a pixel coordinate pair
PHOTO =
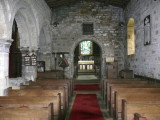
(23, 14)
(3, 23)
(74, 46)
(45, 46)
(44, 30)
(90, 39)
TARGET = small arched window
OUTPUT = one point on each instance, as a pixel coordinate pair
(130, 37)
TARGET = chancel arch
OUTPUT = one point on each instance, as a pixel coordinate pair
(87, 57)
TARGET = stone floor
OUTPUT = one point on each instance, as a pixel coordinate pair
(88, 78)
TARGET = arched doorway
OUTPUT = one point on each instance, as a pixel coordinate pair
(15, 56)
(87, 60)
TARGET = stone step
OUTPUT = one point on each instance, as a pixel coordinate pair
(94, 81)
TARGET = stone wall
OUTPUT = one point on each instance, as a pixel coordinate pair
(146, 61)
(108, 33)
(31, 16)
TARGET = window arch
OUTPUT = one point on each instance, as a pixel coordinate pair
(130, 37)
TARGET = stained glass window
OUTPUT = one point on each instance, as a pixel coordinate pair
(86, 48)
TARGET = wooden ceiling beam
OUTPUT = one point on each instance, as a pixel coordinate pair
(62, 3)
(58, 3)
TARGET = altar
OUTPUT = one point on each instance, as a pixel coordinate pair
(85, 65)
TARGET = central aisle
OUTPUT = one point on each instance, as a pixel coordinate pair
(86, 107)
(87, 102)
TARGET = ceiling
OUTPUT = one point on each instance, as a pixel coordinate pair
(57, 3)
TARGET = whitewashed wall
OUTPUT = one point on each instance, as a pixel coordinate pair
(146, 61)
(31, 17)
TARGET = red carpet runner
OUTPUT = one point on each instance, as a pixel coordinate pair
(86, 107)
(87, 87)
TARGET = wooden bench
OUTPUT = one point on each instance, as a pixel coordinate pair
(25, 114)
(115, 91)
(106, 81)
(143, 97)
(125, 85)
(27, 102)
(62, 90)
(64, 83)
(149, 110)
(103, 83)
(109, 83)
(68, 81)
(40, 93)
(68, 94)
(50, 74)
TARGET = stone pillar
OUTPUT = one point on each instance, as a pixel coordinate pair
(28, 72)
(4, 64)
(69, 69)
(103, 68)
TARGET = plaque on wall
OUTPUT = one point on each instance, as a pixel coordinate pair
(33, 60)
(147, 30)
(87, 28)
(27, 60)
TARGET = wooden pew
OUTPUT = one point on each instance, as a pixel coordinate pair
(136, 98)
(125, 85)
(115, 91)
(149, 110)
(25, 114)
(27, 102)
(103, 83)
(106, 81)
(53, 84)
(51, 74)
(64, 83)
(109, 83)
(68, 81)
(40, 93)
(62, 90)
(46, 75)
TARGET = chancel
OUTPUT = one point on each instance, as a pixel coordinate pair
(86, 61)
(80, 59)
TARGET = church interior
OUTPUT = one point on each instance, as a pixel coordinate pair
(79, 59)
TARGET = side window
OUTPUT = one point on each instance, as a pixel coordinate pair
(130, 37)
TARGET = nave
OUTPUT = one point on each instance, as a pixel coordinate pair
(61, 99)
